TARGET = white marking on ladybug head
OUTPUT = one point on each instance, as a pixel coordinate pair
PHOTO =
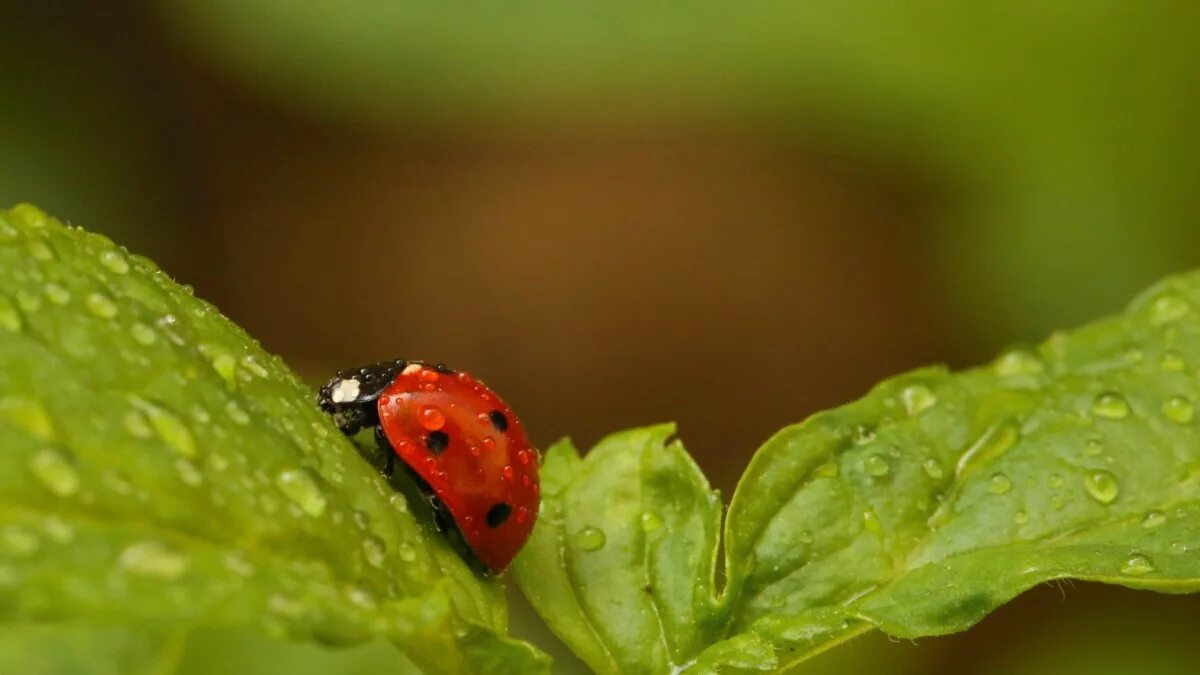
(345, 390)
(411, 368)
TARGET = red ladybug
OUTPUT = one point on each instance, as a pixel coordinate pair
(463, 444)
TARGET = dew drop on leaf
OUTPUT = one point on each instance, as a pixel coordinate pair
(59, 530)
(188, 472)
(153, 559)
(1055, 481)
(236, 562)
(54, 472)
(57, 294)
(876, 465)
(1154, 519)
(651, 521)
(374, 551)
(999, 484)
(137, 425)
(28, 302)
(1172, 361)
(1102, 486)
(1017, 362)
(1093, 447)
(38, 250)
(1020, 517)
(10, 318)
(1178, 548)
(1137, 564)
(281, 605)
(169, 428)
(590, 539)
(114, 262)
(1179, 410)
(27, 415)
(143, 334)
(406, 552)
(1111, 405)
(826, 470)
(917, 399)
(16, 541)
(862, 435)
(933, 469)
(300, 487)
(101, 305)
(1167, 309)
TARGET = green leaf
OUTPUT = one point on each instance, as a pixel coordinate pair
(916, 510)
(158, 466)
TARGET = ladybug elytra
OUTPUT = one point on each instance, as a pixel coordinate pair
(462, 443)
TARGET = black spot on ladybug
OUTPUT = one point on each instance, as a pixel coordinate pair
(437, 441)
(444, 369)
(499, 420)
(498, 514)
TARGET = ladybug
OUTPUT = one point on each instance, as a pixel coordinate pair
(460, 441)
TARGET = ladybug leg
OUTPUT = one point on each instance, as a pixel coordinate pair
(388, 451)
(352, 396)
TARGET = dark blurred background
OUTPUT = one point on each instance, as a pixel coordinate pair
(726, 215)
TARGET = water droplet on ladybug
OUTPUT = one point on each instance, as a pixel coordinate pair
(431, 418)
(522, 514)
(523, 456)
(428, 376)
(489, 443)
(507, 471)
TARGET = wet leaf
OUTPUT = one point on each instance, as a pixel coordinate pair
(159, 466)
(917, 509)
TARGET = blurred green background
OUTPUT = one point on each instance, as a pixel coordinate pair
(729, 215)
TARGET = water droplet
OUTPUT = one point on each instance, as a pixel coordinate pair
(374, 551)
(225, 365)
(27, 415)
(361, 597)
(826, 470)
(17, 541)
(1057, 502)
(1020, 517)
(57, 294)
(431, 418)
(1137, 564)
(917, 399)
(1178, 548)
(999, 484)
(876, 465)
(1055, 481)
(1102, 486)
(993, 443)
(507, 472)
(54, 472)
(406, 552)
(1179, 410)
(168, 325)
(114, 261)
(10, 318)
(1094, 447)
(871, 522)
(58, 529)
(168, 427)
(188, 472)
(101, 305)
(1134, 356)
(284, 606)
(143, 334)
(236, 562)
(862, 435)
(153, 559)
(28, 302)
(1154, 519)
(1110, 405)
(38, 250)
(1167, 309)
(399, 502)
(933, 469)
(590, 538)
(135, 423)
(7, 232)
(1172, 361)
(253, 366)
(1017, 362)
(236, 413)
(651, 521)
(300, 487)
